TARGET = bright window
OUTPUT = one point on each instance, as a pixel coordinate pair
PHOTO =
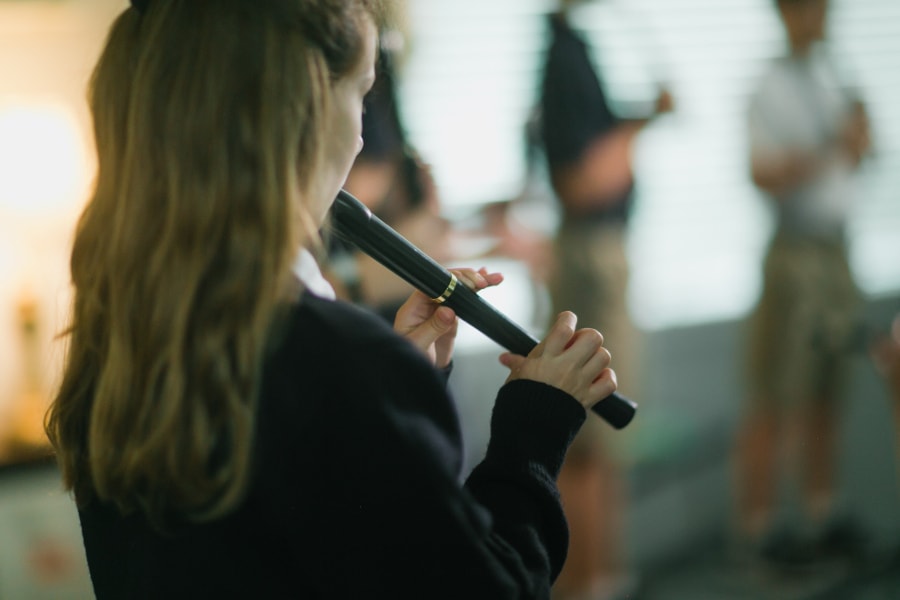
(700, 227)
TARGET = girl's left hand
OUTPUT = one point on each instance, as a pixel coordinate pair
(430, 326)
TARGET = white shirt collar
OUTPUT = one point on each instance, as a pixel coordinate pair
(307, 270)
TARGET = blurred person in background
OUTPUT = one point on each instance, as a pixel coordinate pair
(390, 178)
(808, 134)
(588, 150)
(228, 428)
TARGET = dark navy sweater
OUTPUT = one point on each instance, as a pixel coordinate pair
(357, 490)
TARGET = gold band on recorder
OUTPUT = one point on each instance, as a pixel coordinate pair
(448, 292)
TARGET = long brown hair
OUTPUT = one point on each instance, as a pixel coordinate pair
(208, 120)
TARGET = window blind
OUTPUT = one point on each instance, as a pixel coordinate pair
(700, 227)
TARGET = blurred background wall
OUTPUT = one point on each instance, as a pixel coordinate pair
(47, 50)
(470, 80)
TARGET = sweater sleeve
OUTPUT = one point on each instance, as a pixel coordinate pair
(531, 427)
(368, 486)
(500, 535)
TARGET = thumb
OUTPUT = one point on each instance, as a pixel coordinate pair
(439, 323)
(511, 361)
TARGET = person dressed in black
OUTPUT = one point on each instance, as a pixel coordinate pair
(588, 152)
(227, 428)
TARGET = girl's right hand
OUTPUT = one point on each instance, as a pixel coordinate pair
(574, 361)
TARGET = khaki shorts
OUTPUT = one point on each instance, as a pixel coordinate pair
(590, 278)
(801, 331)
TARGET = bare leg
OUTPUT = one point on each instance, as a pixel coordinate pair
(757, 454)
(592, 493)
(820, 460)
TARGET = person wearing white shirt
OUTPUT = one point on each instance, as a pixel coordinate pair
(808, 133)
